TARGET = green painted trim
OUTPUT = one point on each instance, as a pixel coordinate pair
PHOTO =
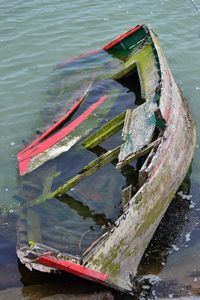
(125, 47)
(147, 70)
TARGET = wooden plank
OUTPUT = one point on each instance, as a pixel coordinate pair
(70, 60)
(121, 37)
(139, 130)
(126, 195)
(105, 131)
(127, 69)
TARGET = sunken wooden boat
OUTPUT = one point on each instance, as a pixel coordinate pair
(104, 174)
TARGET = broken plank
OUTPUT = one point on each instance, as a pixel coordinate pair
(105, 131)
(138, 130)
(138, 154)
(26, 157)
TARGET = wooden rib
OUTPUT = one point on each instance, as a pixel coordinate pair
(125, 70)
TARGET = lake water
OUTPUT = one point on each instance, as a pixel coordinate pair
(37, 35)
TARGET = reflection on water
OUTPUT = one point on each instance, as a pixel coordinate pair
(38, 285)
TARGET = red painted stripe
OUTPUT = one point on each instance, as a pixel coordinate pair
(121, 37)
(60, 121)
(72, 268)
(25, 157)
(68, 61)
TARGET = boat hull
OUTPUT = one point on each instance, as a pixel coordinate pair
(115, 259)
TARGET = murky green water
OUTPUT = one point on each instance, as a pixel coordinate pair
(34, 37)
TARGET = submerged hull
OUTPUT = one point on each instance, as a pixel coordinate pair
(113, 259)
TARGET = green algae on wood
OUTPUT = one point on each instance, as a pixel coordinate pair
(146, 65)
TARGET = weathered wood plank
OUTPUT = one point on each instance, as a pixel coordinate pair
(147, 68)
(126, 195)
(139, 130)
(125, 70)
